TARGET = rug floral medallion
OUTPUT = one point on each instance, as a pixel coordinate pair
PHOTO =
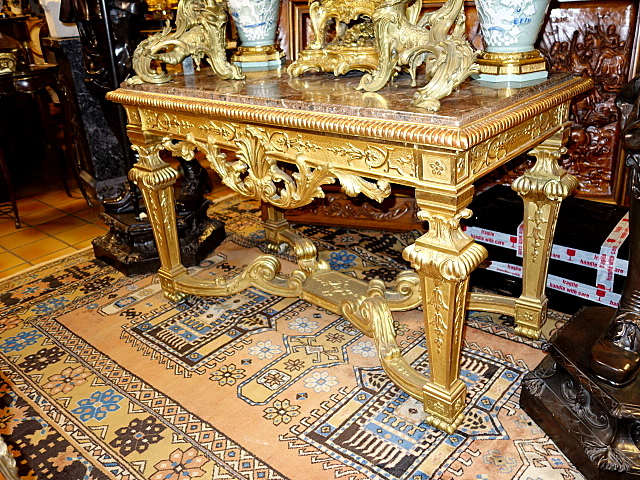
(103, 378)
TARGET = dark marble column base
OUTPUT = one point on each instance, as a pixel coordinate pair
(130, 248)
(595, 424)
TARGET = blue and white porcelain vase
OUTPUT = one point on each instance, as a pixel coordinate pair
(256, 22)
(510, 29)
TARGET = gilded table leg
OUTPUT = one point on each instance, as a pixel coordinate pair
(156, 178)
(444, 258)
(278, 234)
(542, 189)
(274, 225)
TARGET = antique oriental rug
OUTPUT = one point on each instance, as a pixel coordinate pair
(102, 378)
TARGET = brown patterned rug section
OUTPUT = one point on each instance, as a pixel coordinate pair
(101, 377)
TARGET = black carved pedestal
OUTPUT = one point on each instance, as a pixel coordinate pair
(595, 424)
(130, 248)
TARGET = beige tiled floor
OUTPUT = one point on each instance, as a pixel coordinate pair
(53, 224)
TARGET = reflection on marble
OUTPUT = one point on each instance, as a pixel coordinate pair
(324, 92)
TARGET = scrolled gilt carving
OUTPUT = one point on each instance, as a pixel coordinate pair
(406, 293)
(321, 11)
(255, 172)
(438, 40)
(352, 48)
(446, 233)
(381, 36)
(546, 179)
(304, 250)
(151, 171)
(373, 317)
(263, 273)
(200, 33)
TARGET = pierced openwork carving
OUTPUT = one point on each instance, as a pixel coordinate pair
(255, 171)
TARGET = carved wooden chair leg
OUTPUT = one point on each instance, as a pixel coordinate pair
(12, 194)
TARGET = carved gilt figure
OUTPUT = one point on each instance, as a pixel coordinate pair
(383, 37)
(616, 355)
(352, 48)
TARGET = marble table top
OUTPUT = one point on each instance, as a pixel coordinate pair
(326, 93)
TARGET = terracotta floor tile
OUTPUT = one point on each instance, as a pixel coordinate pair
(21, 237)
(30, 205)
(42, 216)
(54, 197)
(11, 271)
(84, 244)
(38, 249)
(61, 224)
(7, 226)
(90, 214)
(54, 255)
(73, 205)
(80, 234)
(9, 260)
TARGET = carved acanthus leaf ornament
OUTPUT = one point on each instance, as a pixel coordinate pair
(256, 172)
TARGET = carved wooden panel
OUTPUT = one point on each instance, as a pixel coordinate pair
(595, 39)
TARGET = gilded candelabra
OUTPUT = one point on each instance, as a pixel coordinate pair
(200, 33)
(381, 37)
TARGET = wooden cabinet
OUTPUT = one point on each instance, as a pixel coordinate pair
(594, 39)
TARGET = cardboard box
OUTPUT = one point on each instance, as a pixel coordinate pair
(589, 258)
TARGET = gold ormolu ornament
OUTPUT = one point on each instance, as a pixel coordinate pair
(437, 40)
(394, 38)
(200, 33)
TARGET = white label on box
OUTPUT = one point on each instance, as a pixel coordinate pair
(606, 262)
(609, 253)
(589, 292)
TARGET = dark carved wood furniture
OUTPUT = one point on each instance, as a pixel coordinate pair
(35, 81)
(586, 392)
(597, 40)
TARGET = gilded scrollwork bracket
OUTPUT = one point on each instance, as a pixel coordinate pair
(256, 169)
(200, 33)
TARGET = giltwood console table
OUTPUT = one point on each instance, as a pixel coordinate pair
(327, 131)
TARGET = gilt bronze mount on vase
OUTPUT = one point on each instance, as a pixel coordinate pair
(509, 31)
